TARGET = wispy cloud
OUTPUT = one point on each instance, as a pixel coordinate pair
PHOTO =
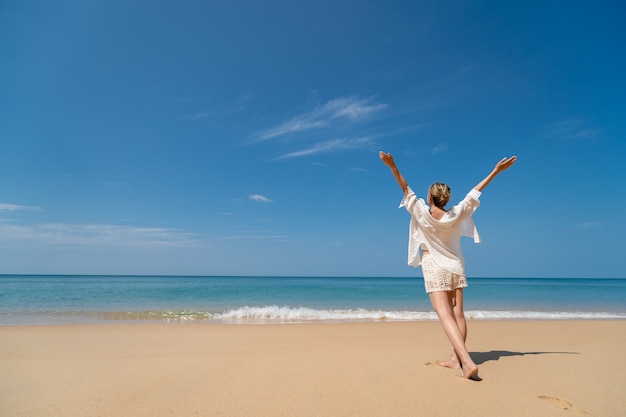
(348, 108)
(352, 108)
(292, 126)
(239, 104)
(97, 235)
(330, 146)
(117, 184)
(589, 225)
(257, 236)
(15, 207)
(571, 130)
(259, 198)
(439, 148)
(201, 115)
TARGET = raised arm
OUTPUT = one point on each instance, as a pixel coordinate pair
(504, 163)
(388, 160)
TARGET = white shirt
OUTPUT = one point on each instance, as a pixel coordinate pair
(442, 237)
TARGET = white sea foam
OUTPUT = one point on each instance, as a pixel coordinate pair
(542, 315)
(273, 314)
(299, 314)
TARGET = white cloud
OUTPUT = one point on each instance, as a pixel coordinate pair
(589, 225)
(330, 146)
(117, 184)
(97, 235)
(253, 236)
(201, 115)
(259, 198)
(440, 148)
(292, 126)
(221, 111)
(571, 129)
(15, 207)
(351, 108)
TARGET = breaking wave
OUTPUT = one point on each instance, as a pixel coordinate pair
(286, 314)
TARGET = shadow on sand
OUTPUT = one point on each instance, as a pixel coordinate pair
(494, 355)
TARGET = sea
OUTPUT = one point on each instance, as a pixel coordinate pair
(96, 299)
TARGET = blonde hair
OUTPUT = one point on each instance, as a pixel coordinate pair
(439, 194)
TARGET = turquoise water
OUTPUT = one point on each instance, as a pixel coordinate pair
(62, 299)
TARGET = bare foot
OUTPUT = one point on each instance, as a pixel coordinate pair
(452, 363)
(471, 372)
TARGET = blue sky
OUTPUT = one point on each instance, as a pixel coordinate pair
(242, 137)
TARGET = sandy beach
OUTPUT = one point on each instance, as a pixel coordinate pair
(540, 368)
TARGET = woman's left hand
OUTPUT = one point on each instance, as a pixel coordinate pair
(505, 163)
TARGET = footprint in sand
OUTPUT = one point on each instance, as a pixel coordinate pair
(565, 405)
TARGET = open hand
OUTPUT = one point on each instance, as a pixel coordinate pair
(505, 163)
(386, 158)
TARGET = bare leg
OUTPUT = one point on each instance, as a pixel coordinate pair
(456, 299)
(443, 305)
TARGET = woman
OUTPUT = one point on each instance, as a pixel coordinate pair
(437, 232)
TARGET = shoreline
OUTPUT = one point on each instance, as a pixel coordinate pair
(261, 322)
(529, 368)
(286, 315)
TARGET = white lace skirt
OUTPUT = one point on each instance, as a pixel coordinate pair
(438, 279)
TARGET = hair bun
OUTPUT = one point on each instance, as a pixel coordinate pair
(440, 194)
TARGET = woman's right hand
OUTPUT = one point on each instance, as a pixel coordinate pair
(387, 159)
